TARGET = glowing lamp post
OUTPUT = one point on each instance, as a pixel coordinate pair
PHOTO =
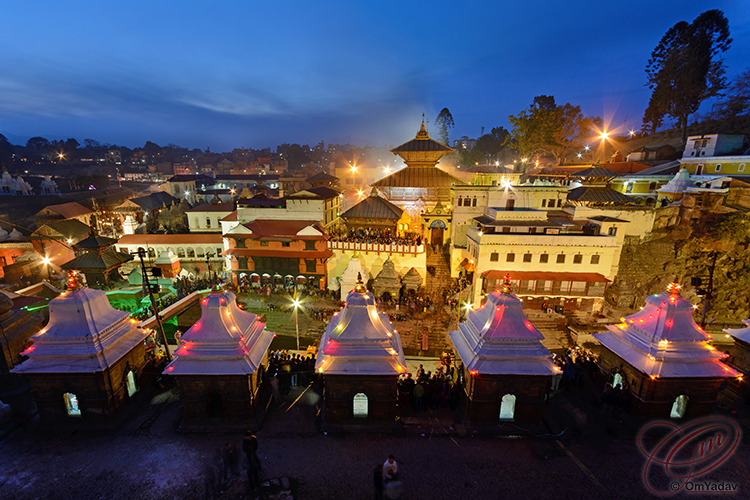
(296, 305)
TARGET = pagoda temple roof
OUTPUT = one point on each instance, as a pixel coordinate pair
(663, 340)
(84, 334)
(420, 176)
(596, 171)
(100, 261)
(360, 340)
(742, 334)
(94, 242)
(498, 339)
(422, 142)
(225, 341)
(374, 207)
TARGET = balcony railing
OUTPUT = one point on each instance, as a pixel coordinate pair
(375, 247)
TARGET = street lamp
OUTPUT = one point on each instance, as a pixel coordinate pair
(296, 304)
(604, 136)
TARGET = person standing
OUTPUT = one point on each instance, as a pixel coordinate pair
(250, 448)
(390, 469)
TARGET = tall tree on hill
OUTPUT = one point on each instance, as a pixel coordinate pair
(444, 122)
(686, 68)
(734, 109)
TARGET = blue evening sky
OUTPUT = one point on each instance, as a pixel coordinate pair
(227, 74)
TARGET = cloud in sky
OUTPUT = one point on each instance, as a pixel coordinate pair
(257, 74)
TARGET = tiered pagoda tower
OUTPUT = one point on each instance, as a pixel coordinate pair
(508, 367)
(220, 364)
(360, 357)
(663, 359)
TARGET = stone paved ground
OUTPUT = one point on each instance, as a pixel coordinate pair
(153, 462)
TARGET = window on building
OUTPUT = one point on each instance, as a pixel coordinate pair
(527, 257)
(594, 259)
(493, 257)
(577, 259)
(629, 187)
(130, 382)
(510, 204)
(532, 230)
(679, 407)
(741, 167)
(474, 202)
(208, 221)
(544, 203)
(511, 257)
(551, 203)
(458, 201)
(359, 405)
(559, 202)
(717, 168)
(617, 380)
(612, 231)
(544, 258)
(507, 407)
(242, 262)
(71, 404)
(309, 244)
(561, 258)
(286, 244)
(506, 229)
(310, 266)
(239, 243)
(264, 243)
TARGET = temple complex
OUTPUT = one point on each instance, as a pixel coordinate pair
(85, 365)
(663, 360)
(220, 364)
(360, 358)
(507, 366)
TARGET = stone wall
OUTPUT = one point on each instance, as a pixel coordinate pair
(381, 392)
(236, 397)
(485, 392)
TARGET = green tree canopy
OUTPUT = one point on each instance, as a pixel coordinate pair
(686, 68)
(546, 128)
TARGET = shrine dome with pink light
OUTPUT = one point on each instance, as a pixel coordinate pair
(498, 339)
(663, 340)
(360, 340)
(225, 341)
(84, 334)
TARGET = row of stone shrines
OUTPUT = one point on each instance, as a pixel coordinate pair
(90, 360)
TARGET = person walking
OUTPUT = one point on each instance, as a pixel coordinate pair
(250, 448)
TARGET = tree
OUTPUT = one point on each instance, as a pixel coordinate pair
(6, 151)
(444, 122)
(494, 142)
(735, 108)
(686, 68)
(469, 158)
(546, 128)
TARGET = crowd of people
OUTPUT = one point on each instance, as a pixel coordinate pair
(428, 391)
(376, 236)
(288, 370)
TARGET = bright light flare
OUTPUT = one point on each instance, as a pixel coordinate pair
(46, 261)
(354, 169)
(296, 303)
(604, 135)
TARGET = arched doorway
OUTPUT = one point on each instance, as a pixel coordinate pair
(130, 383)
(679, 407)
(508, 407)
(71, 404)
(616, 380)
(437, 228)
(255, 280)
(359, 405)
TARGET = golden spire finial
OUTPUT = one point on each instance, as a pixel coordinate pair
(507, 286)
(674, 287)
(422, 134)
(360, 287)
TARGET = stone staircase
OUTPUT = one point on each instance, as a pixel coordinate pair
(437, 281)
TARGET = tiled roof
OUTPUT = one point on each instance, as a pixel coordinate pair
(71, 228)
(598, 194)
(279, 252)
(374, 207)
(230, 218)
(322, 176)
(421, 145)
(170, 239)
(419, 177)
(94, 242)
(189, 178)
(282, 228)
(97, 260)
(595, 171)
(70, 209)
(151, 202)
(207, 207)
(323, 192)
